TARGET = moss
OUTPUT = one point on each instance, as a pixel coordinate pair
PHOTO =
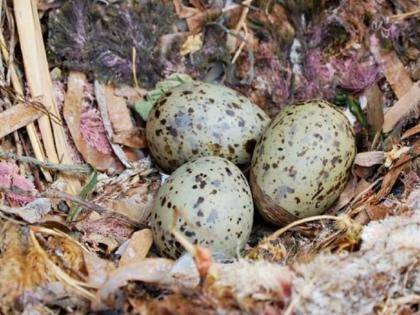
(101, 39)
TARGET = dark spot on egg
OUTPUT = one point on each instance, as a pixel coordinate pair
(230, 112)
(250, 145)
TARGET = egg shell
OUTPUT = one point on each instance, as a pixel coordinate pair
(302, 162)
(199, 119)
(210, 202)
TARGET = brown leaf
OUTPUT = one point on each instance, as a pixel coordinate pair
(196, 16)
(371, 158)
(346, 196)
(105, 98)
(132, 199)
(151, 270)
(137, 248)
(119, 114)
(372, 212)
(411, 132)
(393, 174)
(393, 68)
(407, 104)
(130, 93)
(104, 233)
(32, 212)
(132, 138)
(374, 109)
(72, 110)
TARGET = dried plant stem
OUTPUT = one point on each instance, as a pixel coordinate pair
(30, 128)
(242, 25)
(40, 85)
(403, 16)
(408, 299)
(302, 221)
(134, 67)
(59, 273)
(34, 75)
(68, 168)
(63, 150)
(53, 194)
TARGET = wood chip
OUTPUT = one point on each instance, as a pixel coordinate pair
(371, 158)
(406, 105)
(40, 85)
(411, 132)
(374, 109)
(16, 117)
(138, 247)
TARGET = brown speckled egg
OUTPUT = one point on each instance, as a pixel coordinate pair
(199, 119)
(302, 162)
(210, 202)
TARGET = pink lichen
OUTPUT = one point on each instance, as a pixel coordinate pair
(93, 130)
(10, 178)
(320, 79)
(274, 73)
(356, 75)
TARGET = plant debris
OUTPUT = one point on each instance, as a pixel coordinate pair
(78, 80)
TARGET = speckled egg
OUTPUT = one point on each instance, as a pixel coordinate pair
(199, 119)
(302, 162)
(210, 202)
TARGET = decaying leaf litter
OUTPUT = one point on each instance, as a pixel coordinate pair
(78, 79)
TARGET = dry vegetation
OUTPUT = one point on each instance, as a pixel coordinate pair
(77, 184)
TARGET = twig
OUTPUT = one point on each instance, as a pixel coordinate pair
(59, 273)
(54, 194)
(403, 16)
(242, 25)
(134, 67)
(305, 220)
(18, 87)
(68, 168)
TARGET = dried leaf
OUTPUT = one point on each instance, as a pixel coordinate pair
(371, 158)
(133, 197)
(411, 132)
(119, 114)
(98, 269)
(151, 270)
(105, 97)
(346, 196)
(132, 138)
(195, 17)
(104, 233)
(137, 248)
(392, 66)
(185, 271)
(393, 174)
(33, 212)
(407, 104)
(72, 112)
(374, 109)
